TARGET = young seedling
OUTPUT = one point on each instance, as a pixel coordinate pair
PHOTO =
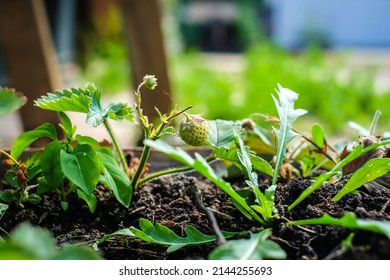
(151, 131)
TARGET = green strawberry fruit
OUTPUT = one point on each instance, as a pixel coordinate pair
(194, 130)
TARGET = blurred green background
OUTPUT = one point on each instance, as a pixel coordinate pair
(237, 80)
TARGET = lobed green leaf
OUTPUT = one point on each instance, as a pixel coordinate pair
(287, 115)
(159, 234)
(74, 100)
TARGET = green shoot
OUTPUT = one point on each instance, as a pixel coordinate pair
(287, 115)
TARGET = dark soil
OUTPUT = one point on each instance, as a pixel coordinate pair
(170, 201)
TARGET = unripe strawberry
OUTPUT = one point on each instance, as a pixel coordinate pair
(194, 130)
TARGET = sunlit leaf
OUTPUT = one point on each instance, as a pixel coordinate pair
(373, 169)
(287, 116)
(318, 136)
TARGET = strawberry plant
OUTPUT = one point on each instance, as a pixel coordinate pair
(260, 183)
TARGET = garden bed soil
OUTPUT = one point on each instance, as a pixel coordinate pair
(170, 201)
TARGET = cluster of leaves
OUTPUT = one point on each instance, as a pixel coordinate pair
(77, 164)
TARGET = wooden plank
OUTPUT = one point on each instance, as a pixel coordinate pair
(143, 32)
(30, 60)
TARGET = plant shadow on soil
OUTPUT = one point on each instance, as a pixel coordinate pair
(170, 201)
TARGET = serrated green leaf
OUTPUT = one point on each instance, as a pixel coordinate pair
(318, 136)
(257, 247)
(349, 220)
(114, 177)
(221, 132)
(82, 167)
(371, 170)
(97, 115)
(162, 235)
(10, 100)
(51, 164)
(25, 139)
(74, 100)
(287, 116)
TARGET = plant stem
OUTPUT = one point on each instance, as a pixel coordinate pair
(144, 158)
(374, 122)
(169, 171)
(10, 157)
(117, 147)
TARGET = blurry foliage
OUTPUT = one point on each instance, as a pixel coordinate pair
(104, 56)
(332, 99)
